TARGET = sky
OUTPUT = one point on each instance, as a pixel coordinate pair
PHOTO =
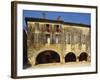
(83, 18)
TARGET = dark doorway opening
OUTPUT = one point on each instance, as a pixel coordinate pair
(83, 56)
(70, 57)
(47, 57)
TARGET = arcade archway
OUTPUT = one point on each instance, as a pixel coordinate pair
(47, 56)
(70, 57)
(83, 56)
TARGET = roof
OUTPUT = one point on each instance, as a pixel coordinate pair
(54, 21)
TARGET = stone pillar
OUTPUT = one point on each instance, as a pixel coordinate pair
(62, 59)
(77, 59)
(89, 58)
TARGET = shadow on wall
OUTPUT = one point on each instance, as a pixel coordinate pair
(25, 58)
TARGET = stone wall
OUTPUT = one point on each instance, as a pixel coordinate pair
(74, 39)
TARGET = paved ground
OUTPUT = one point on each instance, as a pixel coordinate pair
(69, 64)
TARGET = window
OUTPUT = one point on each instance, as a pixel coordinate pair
(57, 28)
(47, 40)
(83, 40)
(48, 29)
(68, 37)
(36, 26)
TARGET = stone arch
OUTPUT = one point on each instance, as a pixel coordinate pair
(47, 56)
(46, 49)
(70, 57)
(83, 56)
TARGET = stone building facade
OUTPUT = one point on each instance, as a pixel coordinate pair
(56, 41)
